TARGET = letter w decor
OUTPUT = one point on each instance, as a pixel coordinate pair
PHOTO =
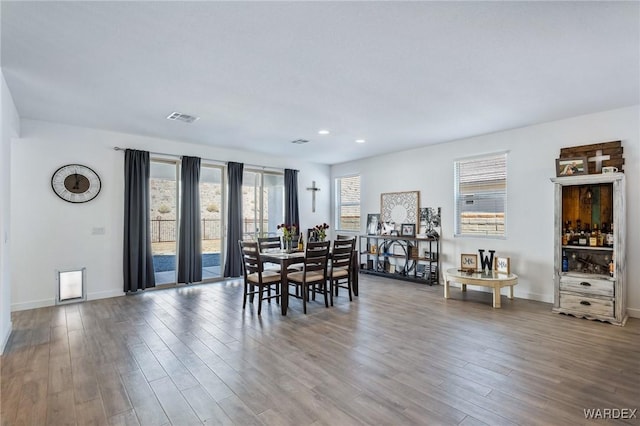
(486, 261)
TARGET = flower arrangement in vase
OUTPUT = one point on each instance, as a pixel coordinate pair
(288, 231)
(321, 231)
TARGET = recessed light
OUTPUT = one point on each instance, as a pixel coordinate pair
(360, 141)
(323, 132)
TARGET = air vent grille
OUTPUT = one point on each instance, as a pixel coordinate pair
(300, 141)
(182, 117)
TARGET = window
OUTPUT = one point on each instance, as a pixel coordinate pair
(348, 203)
(481, 196)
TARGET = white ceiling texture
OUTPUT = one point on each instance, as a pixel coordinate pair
(262, 74)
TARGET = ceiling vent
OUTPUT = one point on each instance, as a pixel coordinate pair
(182, 117)
(300, 141)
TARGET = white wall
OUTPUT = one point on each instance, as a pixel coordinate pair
(530, 209)
(50, 234)
(9, 128)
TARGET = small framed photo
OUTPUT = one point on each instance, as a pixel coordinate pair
(373, 224)
(408, 230)
(387, 228)
(469, 262)
(571, 166)
(503, 265)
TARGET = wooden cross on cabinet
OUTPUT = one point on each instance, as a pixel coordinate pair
(313, 190)
(598, 159)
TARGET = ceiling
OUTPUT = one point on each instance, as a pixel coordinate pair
(262, 74)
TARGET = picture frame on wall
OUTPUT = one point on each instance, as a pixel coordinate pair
(469, 262)
(400, 207)
(571, 166)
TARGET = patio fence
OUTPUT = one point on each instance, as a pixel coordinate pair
(165, 230)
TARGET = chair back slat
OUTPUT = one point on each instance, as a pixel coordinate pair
(269, 243)
(342, 253)
(250, 257)
(316, 256)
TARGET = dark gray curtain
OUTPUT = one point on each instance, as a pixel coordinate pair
(138, 260)
(190, 244)
(291, 211)
(233, 264)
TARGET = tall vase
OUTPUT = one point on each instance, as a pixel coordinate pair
(288, 245)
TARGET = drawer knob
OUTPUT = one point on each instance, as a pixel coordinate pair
(586, 284)
(584, 302)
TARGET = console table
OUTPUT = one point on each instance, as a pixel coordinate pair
(493, 279)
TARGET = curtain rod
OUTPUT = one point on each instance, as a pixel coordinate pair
(224, 163)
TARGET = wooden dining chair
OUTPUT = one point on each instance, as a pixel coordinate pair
(341, 269)
(256, 279)
(267, 244)
(314, 274)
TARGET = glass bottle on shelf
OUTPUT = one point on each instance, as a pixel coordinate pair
(565, 262)
(593, 237)
(609, 238)
(611, 267)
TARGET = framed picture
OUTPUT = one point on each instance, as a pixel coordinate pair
(571, 166)
(469, 262)
(503, 265)
(408, 230)
(387, 228)
(399, 207)
(373, 224)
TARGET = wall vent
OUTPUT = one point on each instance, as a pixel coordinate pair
(182, 117)
(300, 141)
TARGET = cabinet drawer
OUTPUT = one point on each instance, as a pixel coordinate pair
(587, 285)
(587, 305)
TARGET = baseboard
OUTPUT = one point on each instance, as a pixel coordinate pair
(5, 338)
(104, 294)
(633, 313)
(34, 304)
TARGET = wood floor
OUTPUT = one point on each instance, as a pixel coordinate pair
(398, 354)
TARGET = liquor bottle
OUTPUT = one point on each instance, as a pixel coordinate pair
(565, 234)
(609, 238)
(582, 238)
(565, 262)
(601, 236)
(569, 232)
(300, 243)
(593, 237)
(611, 267)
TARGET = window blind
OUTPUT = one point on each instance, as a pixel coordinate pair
(348, 203)
(481, 195)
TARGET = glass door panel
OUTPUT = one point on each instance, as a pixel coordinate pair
(164, 220)
(262, 203)
(273, 204)
(211, 212)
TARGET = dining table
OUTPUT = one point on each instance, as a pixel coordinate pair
(285, 259)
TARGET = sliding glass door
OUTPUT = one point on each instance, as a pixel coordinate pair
(164, 219)
(211, 213)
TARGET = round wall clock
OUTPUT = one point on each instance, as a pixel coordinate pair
(76, 183)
